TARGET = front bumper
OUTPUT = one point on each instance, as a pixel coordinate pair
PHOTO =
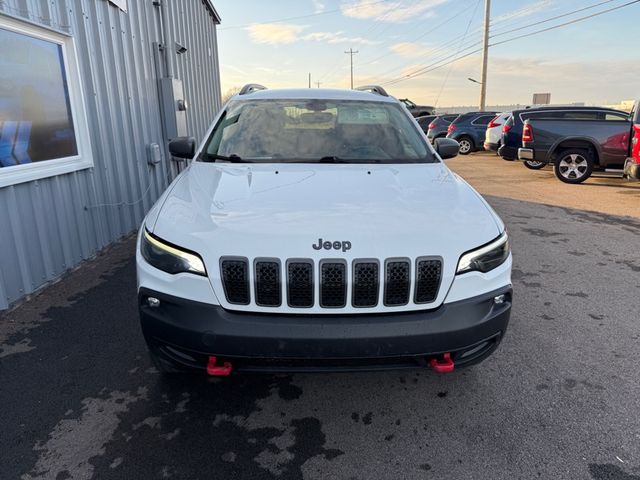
(631, 169)
(184, 333)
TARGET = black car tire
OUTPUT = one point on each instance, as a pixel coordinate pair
(466, 145)
(533, 165)
(573, 165)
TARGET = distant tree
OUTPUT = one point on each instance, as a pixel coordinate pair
(230, 93)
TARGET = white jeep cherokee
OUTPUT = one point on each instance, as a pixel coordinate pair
(319, 230)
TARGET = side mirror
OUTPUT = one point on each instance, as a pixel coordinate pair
(182, 147)
(446, 147)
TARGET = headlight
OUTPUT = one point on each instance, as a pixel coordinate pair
(485, 258)
(168, 258)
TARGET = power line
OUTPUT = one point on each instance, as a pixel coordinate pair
(423, 34)
(552, 18)
(571, 22)
(441, 24)
(390, 10)
(433, 66)
(446, 79)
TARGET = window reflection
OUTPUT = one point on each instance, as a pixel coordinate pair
(35, 115)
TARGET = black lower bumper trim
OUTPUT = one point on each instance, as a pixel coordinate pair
(185, 333)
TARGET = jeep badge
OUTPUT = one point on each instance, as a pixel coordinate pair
(327, 245)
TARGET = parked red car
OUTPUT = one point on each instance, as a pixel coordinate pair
(632, 164)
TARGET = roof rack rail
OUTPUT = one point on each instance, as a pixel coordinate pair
(373, 89)
(251, 87)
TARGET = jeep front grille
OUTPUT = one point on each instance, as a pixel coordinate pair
(428, 274)
(235, 275)
(297, 282)
(333, 284)
(267, 280)
(300, 283)
(397, 282)
(366, 284)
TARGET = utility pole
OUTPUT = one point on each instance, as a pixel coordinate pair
(318, 84)
(351, 53)
(309, 79)
(485, 55)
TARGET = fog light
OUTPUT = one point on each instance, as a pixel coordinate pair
(153, 302)
(499, 300)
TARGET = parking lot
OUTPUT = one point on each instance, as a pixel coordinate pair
(559, 399)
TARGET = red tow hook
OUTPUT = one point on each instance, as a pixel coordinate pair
(218, 370)
(445, 365)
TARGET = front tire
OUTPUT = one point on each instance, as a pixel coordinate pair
(466, 145)
(573, 166)
(533, 165)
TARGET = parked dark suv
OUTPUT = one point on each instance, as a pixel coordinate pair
(439, 126)
(425, 121)
(469, 130)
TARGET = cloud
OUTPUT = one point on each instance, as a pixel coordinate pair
(411, 50)
(337, 37)
(513, 80)
(318, 6)
(274, 33)
(527, 10)
(393, 12)
(278, 33)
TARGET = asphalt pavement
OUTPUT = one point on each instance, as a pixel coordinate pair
(560, 399)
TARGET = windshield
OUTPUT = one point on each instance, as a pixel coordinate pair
(344, 131)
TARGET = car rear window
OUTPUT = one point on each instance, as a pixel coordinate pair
(483, 120)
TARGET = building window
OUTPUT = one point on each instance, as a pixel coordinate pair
(43, 125)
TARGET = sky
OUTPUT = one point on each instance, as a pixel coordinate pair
(279, 42)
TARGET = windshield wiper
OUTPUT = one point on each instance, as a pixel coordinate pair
(332, 159)
(212, 157)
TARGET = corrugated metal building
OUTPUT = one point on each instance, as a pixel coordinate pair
(90, 93)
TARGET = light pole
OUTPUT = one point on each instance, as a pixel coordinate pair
(485, 55)
(474, 80)
(351, 53)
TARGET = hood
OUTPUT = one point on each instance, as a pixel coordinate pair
(281, 210)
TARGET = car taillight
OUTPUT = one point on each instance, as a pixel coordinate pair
(493, 123)
(451, 128)
(432, 125)
(527, 133)
(505, 128)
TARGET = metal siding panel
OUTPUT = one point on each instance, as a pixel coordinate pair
(55, 222)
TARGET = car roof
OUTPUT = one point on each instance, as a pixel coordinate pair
(470, 114)
(567, 107)
(315, 94)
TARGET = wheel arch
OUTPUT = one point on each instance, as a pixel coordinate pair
(585, 143)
